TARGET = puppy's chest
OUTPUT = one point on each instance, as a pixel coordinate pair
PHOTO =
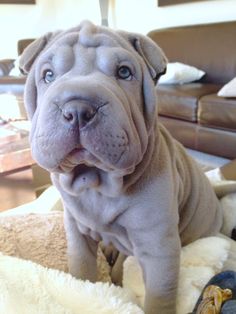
(98, 216)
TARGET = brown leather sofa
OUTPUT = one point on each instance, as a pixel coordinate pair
(193, 113)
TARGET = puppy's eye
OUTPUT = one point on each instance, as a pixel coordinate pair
(48, 76)
(124, 73)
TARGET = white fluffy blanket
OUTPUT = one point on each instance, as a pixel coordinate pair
(27, 287)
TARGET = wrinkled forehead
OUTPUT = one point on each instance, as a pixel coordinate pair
(87, 45)
(89, 39)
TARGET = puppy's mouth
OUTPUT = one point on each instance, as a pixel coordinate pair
(80, 159)
(75, 158)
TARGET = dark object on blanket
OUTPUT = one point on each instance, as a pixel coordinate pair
(213, 299)
(233, 234)
(226, 282)
(229, 307)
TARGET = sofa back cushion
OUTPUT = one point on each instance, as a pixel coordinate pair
(209, 47)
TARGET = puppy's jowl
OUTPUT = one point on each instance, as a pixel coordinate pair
(90, 95)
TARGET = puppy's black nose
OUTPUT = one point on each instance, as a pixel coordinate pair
(77, 114)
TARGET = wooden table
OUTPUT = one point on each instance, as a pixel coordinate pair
(15, 151)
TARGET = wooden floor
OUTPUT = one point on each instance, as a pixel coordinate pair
(16, 189)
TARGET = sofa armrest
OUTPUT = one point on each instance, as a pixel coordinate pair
(5, 66)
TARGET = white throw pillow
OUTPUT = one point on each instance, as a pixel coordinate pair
(15, 71)
(180, 73)
(229, 89)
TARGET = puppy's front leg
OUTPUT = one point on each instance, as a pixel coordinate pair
(160, 270)
(81, 251)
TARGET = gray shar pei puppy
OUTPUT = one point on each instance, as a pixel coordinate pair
(90, 95)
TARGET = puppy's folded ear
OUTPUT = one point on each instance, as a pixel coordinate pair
(151, 53)
(27, 60)
(154, 66)
(32, 51)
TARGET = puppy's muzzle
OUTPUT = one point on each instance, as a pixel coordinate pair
(77, 114)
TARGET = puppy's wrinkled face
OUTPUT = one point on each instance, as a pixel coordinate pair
(89, 107)
(91, 99)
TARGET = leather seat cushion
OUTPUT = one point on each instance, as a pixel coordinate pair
(217, 112)
(208, 140)
(181, 101)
